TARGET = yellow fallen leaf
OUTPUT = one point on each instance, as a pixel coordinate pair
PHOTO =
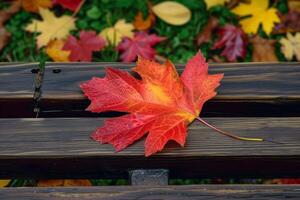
(54, 51)
(294, 5)
(172, 12)
(4, 182)
(34, 5)
(113, 35)
(260, 14)
(290, 46)
(63, 182)
(211, 3)
(51, 27)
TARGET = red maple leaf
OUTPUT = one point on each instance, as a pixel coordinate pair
(234, 42)
(68, 4)
(161, 104)
(141, 45)
(82, 49)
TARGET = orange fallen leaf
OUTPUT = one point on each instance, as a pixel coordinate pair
(143, 24)
(263, 50)
(63, 182)
(34, 5)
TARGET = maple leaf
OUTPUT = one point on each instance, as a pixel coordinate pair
(161, 104)
(55, 51)
(263, 50)
(68, 4)
(233, 40)
(51, 27)
(82, 49)
(260, 14)
(113, 35)
(290, 22)
(291, 46)
(211, 3)
(34, 5)
(142, 44)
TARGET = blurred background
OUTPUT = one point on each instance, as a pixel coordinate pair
(120, 30)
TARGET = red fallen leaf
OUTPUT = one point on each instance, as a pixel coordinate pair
(141, 44)
(286, 181)
(161, 104)
(68, 4)
(81, 50)
(234, 42)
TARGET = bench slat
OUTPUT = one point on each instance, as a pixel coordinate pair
(270, 89)
(187, 192)
(61, 147)
(16, 89)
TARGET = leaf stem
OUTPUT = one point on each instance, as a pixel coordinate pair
(229, 134)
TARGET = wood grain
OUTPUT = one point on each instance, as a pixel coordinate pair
(200, 192)
(241, 80)
(61, 147)
(17, 80)
(248, 89)
(16, 89)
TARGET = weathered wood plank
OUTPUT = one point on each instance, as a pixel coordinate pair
(61, 147)
(200, 192)
(16, 89)
(248, 89)
(17, 81)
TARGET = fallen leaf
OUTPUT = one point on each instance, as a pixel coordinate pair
(205, 34)
(172, 12)
(290, 22)
(290, 46)
(63, 182)
(82, 49)
(263, 50)
(4, 182)
(211, 3)
(286, 181)
(142, 24)
(294, 5)
(68, 4)
(51, 27)
(113, 35)
(233, 41)
(55, 51)
(142, 44)
(161, 104)
(34, 5)
(260, 13)
(5, 14)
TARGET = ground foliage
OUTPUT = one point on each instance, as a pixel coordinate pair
(179, 45)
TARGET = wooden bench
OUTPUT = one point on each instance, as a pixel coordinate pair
(44, 133)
